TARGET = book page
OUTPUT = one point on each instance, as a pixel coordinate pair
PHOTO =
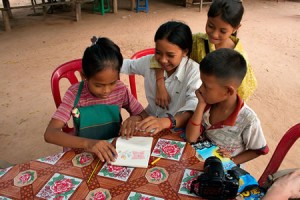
(134, 152)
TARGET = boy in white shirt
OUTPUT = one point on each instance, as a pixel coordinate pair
(221, 115)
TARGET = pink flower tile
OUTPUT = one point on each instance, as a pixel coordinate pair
(59, 187)
(168, 149)
(115, 172)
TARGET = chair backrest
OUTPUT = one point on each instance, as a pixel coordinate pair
(284, 145)
(137, 55)
(66, 70)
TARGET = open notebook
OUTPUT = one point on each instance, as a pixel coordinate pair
(134, 152)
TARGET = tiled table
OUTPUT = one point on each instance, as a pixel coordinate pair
(65, 176)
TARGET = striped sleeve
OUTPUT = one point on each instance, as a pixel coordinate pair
(131, 104)
(64, 110)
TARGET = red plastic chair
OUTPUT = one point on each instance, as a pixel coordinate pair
(284, 145)
(66, 70)
(137, 55)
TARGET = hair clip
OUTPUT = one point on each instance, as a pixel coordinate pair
(94, 40)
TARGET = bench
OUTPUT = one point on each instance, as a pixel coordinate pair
(6, 12)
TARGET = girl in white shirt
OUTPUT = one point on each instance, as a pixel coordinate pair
(173, 44)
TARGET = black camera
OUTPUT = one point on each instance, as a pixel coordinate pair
(214, 183)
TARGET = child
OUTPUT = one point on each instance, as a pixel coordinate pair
(224, 118)
(173, 44)
(102, 89)
(223, 22)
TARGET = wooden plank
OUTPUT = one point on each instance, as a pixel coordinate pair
(42, 5)
(132, 4)
(6, 5)
(5, 18)
(78, 12)
(6, 11)
(115, 5)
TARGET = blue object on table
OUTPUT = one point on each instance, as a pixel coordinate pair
(142, 5)
(102, 6)
(249, 188)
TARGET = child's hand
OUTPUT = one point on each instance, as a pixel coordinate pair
(224, 153)
(128, 128)
(103, 149)
(152, 125)
(162, 98)
(200, 98)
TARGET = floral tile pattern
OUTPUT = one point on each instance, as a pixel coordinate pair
(83, 159)
(157, 175)
(188, 177)
(98, 194)
(25, 178)
(59, 187)
(4, 198)
(115, 172)
(140, 196)
(168, 149)
(4, 171)
(52, 160)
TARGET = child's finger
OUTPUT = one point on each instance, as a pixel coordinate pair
(156, 130)
(108, 157)
(123, 132)
(113, 150)
(129, 133)
(221, 150)
(110, 154)
(144, 123)
(99, 154)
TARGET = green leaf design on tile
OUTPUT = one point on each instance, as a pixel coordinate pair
(107, 173)
(106, 194)
(185, 190)
(176, 156)
(163, 154)
(55, 179)
(74, 182)
(164, 174)
(137, 196)
(186, 179)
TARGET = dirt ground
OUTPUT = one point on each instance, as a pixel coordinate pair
(37, 45)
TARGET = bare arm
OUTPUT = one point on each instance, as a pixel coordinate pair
(128, 128)
(183, 118)
(162, 97)
(193, 127)
(159, 124)
(245, 156)
(103, 149)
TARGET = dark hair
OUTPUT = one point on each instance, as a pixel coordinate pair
(224, 64)
(176, 33)
(231, 11)
(102, 54)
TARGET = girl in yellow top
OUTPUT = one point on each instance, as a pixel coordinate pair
(224, 17)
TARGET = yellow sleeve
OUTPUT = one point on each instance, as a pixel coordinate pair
(198, 49)
(248, 85)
